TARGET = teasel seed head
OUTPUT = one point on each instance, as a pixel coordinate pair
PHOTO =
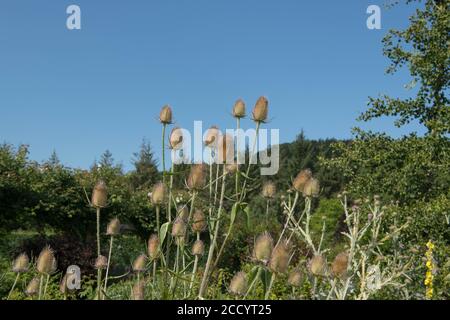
(46, 262)
(225, 149)
(139, 263)
(279, 259)
(339, 265)
(165, 116)
(269, 190)
(197, 179)
(260, 110)
(183, 212)
(113, 228)
(263, 248)
(302, 178)
(33, 287)
(176, 139)
(318, 265)
(231, 168)
(238, 284)
(179, 228)
(21, 263)
(239, 109)
(295, 278)
(198, 249)
(138, 290)
(212, 137)
(312, 188)
(153, 247)
(199, 221)
(99, 195)
(101, 262)
(158, 193)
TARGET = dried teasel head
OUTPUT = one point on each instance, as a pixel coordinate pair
(301, 179)
(113, 228)
(158, 193)
(165, 116)
(295, 278)
(46, 262)
(339, 265)
(225, 149)
(279, 259)
(197, 178)
(231, 168)
(318, 265)
(179, 228)
(183, 212)
(239, 109)
(199, 221)
(139, 263)
(261, 110)
(312, 188)
(153, 246)
(269, 190)
(212, 137)
(33, 287)
(176, 139)
(21, 263)
(263, 248)
(101, 263)
(138, 290)
(238, 284)
(99, 195)
(198, 248)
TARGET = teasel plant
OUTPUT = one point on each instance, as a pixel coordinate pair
(45, 266)
(238, 114)
(112, 230)
(20, 265)
(99, 201)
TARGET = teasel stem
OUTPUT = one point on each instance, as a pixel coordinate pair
(291, 211)
(272, 280)
(45, 287)
(267, 211)
(191, 211)
(194, 270)
(158, 208)
(209, 261)
(250, 157)
(109, 261)
(41, 280)
(250, 288)
(99, 272)
(169, 213)
(217, 183)
(13, 286)
(173, 284)
(238, 125)
(164, 152)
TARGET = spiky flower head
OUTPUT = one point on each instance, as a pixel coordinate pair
(33, 287)
(165, 116)
(113, 228)
(198, 249)
(99, 195)
(46, 262)
(140, 263)
(269, 190)
(238, 284)
(179, 228)
(239, 109)
(153, 246)
(302, 178)
(279, 259)
(295, 278)
(261, 110)
(212, 137)
(263, 248)
(318, 265)
(176, 139)
(138, 290)
(339, 265)
(21, 263)
(101, 263)
(199, 221)
(312, 188)
(197, 179)
(158, 193)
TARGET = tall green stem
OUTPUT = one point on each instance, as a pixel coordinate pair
(158, 208)
(238, 120)
(272, 280)
(14, 285)
(109, 261)
(99, 272)
(164, 152)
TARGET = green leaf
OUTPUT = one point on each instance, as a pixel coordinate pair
(163, 232)
(246, 209)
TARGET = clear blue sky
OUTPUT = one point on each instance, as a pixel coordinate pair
(82, 92)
